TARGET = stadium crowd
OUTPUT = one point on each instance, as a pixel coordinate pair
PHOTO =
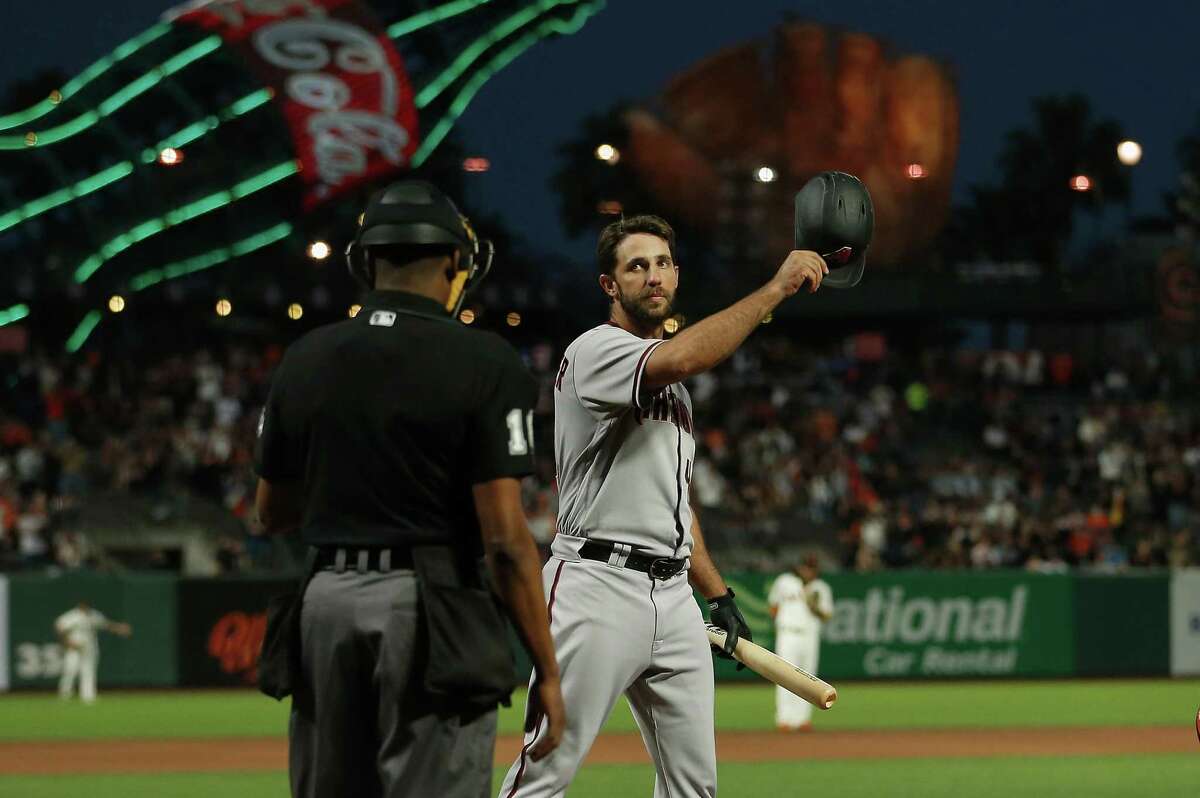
(947, 458)
(72, 429)
(956, 459)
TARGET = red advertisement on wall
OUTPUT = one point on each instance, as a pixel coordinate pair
(337, 77)
(221, 627)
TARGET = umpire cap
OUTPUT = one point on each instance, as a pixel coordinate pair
(835, 218)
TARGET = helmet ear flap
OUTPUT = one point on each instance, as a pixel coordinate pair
(473, 266)
(360, 264)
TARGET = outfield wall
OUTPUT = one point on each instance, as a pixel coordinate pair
(894, 625)
(146, 601)
(1185, 622)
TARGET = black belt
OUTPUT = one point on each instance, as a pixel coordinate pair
(364, 558)
(657, 567)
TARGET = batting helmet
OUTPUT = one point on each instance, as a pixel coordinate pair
(835, 218)
(416, 212)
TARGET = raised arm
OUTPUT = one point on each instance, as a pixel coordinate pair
(703, 345)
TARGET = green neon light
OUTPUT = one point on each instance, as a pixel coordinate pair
(432, 17)
(15, 313)
(504, 58)
(180, 138)
(122, 170)
(247, 103)
(75, 84)
(117, 100)
(478, 47)
(65, 195)
(124, 95)
(152, 227)
(211, 258)
(80, 336)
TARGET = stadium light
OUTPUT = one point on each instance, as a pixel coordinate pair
(1129, 152)
(915, 171)
(476, 164)
(608, 153)
(318, 250)
(295, 311)
(224, 307)
(1081, 183)
(170, 156)
(116, 303)
(467, 316)
(765, 174)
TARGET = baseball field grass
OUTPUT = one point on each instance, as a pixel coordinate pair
(1126, 713)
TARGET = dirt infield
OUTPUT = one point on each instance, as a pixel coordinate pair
(246, 754)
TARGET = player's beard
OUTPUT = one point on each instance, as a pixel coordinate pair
(645, 312)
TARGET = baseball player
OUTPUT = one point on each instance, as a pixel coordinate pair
(76, 630)
(629, 549)
(800, 602)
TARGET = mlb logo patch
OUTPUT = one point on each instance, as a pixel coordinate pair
(383, 318)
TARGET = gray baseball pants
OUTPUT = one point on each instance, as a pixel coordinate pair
(362, 725)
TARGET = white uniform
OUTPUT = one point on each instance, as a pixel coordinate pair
(797, 638)
(83, 656)
(624, 461)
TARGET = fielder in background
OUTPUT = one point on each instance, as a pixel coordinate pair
(800, 602)
(629, 550)
(76, 630)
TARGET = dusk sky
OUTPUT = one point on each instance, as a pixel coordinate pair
(1138, 63)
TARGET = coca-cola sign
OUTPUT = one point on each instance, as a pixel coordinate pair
(337, 78)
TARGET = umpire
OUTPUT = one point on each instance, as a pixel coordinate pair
(394, 442)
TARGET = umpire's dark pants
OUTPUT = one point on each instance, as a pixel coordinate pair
(362, 725)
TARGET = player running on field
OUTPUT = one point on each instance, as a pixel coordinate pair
(621, 611)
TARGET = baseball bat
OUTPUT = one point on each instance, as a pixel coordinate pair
(777, 670)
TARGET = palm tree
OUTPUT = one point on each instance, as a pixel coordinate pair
(1030, 213)
(1184, 204)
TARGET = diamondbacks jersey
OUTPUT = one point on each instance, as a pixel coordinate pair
(790, 595)
(623, 454)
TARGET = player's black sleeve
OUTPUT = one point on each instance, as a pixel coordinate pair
(502, 429)
(278, 455)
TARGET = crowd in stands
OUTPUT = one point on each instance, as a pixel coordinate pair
(941, 459)
(75, 429)
(957, 459)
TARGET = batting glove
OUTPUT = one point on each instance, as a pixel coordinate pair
(723, 612)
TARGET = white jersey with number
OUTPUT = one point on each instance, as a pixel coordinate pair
(624, 454)
(79, 627)
(790, 595)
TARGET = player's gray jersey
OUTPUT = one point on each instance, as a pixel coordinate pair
(623, 454)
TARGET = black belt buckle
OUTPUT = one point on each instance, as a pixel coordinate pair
(665, 567)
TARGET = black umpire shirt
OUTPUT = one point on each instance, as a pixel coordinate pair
(386, 420)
